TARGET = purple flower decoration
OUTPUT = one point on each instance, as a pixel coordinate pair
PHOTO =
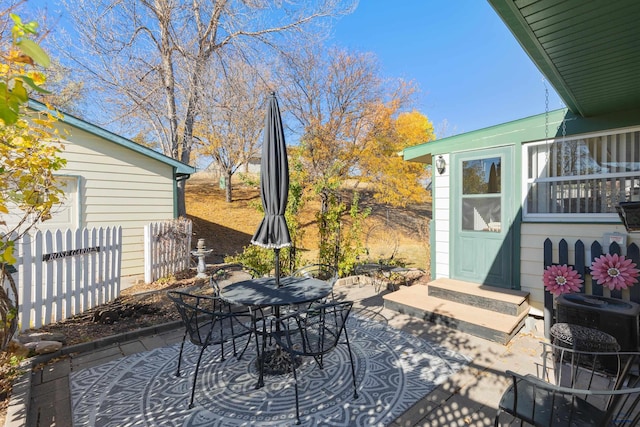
(561, 279)
(614, 271)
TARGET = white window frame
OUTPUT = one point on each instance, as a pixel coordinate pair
(527, 182)
(69, 201)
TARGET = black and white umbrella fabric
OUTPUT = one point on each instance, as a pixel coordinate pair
(274, 186)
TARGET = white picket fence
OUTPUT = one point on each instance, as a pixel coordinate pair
(167, 248)
(60, 274)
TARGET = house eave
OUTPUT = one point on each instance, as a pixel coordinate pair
(181, 169)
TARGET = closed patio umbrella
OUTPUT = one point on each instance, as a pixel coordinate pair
(274, 186)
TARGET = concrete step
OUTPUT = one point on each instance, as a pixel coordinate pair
(500, 300)
(415, 301)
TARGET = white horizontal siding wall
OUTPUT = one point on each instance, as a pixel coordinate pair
(442, 221)
(531, 251)
(119, 187)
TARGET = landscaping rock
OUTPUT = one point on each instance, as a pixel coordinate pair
(44, 347)
(41, 336)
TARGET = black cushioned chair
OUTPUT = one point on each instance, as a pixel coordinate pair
(209, 321)
(576, 388)
(314, 332)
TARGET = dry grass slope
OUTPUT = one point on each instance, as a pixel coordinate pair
(228, 227)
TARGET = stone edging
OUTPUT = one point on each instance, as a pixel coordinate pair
(21, 390)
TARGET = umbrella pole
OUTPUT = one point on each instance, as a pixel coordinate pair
(277, 256)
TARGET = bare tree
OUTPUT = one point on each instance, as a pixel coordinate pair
(340, 103)
(149, 60)
(339, 100)
(233, 119)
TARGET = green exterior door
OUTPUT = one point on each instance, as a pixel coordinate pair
(482, 189)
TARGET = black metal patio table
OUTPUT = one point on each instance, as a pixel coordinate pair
(264, 292)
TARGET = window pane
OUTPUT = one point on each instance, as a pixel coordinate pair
(481, 213)
(481, 176)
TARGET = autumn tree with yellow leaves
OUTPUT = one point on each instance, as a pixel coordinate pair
(353, 126)
(29, 156)
(395, 181)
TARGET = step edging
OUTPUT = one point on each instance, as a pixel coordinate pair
(481, 331)
(478, 301)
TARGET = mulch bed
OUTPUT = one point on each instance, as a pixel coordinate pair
(137, 307)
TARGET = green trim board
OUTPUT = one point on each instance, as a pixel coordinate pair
(533, 128)
(180, 169)
(527, 129)
(432, 244)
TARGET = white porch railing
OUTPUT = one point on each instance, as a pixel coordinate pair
(167, 248)
(60, 274)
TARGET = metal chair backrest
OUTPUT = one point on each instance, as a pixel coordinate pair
(324, 272)
(313, 332)
(208, 320)
(203, 316)
(231, 273)
(577, 388)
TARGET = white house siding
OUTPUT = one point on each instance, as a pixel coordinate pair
(532, 253)
(119, 186)
(442, 220)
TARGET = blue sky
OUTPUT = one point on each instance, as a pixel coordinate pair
(470, 69)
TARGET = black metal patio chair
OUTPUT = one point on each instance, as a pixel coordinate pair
(576, 388)
(325, 272)
(209, 321)
(314, 333)
(230, 273)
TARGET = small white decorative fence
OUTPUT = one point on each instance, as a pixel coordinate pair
(167, 248)
(60, 274)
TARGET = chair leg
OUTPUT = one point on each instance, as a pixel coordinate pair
(353, 369)
(195, 377)
(496, 420)
(233, 335)
(295, 385)
(184, 337)
(261, 355)
(221, 338)
(246, 345)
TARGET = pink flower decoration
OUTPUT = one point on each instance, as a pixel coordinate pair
(561, 279)
(614, 271)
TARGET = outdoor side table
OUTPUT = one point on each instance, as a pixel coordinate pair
(582, 338)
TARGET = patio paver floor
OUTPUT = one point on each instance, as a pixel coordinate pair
(467, 398)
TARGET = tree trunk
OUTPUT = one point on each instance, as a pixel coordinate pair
(8, 308)
(228, 195)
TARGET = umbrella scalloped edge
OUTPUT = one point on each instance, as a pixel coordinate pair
(270, 245)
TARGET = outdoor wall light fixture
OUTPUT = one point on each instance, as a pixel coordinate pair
(441, 165)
